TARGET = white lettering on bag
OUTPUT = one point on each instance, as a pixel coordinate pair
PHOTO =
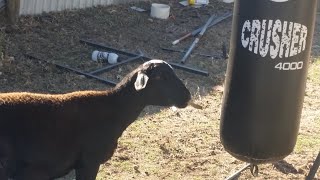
(276, 38)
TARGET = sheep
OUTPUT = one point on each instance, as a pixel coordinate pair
(44, 136)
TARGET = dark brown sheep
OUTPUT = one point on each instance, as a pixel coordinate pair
(45, 136)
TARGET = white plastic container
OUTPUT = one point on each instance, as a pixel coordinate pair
(198, 2)
(228, 1)
(160, 11)
(100, 56)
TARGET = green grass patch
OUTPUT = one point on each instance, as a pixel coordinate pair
(314, 71)
(125, 166)
(307, 143)
(310, 140)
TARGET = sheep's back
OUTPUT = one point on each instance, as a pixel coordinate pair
(31, 111)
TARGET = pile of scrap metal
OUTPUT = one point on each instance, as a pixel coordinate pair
(198, 33)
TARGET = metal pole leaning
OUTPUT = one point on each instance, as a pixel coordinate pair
(237, 174)
(314, 168)
(195, 32)
(193, 45)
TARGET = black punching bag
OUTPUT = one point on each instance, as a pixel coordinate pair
(266, 78)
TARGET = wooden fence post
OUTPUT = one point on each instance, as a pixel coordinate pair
(13, 8)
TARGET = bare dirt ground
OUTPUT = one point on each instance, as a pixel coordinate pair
(162, 144)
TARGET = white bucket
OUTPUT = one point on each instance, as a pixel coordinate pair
(161, 11)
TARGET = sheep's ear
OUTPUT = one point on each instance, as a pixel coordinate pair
(141, 81)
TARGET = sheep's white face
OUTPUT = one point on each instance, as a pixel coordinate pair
(160, 85)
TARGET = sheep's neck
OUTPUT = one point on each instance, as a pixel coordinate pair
(130, 104)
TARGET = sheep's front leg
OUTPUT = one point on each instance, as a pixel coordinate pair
(87, 171)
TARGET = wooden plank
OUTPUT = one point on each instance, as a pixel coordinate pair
(13, 8)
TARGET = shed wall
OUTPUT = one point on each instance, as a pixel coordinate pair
(29, 7)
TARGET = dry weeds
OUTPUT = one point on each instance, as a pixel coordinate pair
(162, 144)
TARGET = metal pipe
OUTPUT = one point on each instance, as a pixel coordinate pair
(183, 51)
(189, 69)
(193, 45)
(237, 174)
(178, 66)
(99, 71)
(75, 71)
(98, 45)
(314, 168)
(195, 32)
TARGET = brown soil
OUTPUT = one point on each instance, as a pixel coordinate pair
(162, 144)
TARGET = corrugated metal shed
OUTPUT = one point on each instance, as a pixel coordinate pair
(28, 7)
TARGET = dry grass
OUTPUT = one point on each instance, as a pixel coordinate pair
(162, 143)
(309, 137)
(185, 144)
